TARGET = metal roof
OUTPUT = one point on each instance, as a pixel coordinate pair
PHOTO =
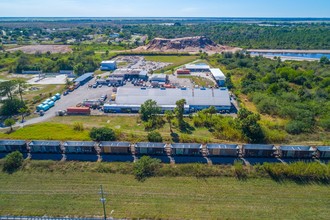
(114, 144)
(45, 143)
(108, 62)
(193, 97)
(150, 145)
(218, 74)
(258, 147)
(197, 66)
(12, 142)
(186, 146)
(323, 148)
(79, 144)
(296, 148)
(222, 146)
(84, 77)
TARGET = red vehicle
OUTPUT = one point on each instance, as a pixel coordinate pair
(78, 111)
(183, 72)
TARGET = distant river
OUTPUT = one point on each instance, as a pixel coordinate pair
(294, 55)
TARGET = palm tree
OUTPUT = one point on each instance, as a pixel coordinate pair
(23, 111)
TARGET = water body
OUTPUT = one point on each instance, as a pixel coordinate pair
(293, 55)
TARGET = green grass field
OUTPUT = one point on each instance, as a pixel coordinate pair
(127, 129)
(76, 194)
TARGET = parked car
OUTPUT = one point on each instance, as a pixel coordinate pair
(65, 92)
(100, 86)
(94, 86)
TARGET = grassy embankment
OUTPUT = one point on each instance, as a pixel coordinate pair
(71, 189)
(126, 128)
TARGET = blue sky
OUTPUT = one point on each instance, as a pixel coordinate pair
(164, 8)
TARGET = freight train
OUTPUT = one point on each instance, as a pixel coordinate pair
(215, 153)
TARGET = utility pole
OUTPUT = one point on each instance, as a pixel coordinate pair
(103, 202)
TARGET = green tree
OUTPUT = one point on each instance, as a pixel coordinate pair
(250, 126)
(13, 161)
(22, 85)
(102, 134)
(149, 110)
(7, 88)
(324, 60)
(24, 111)
(9, 122)
(11, 107)
(169, 117)
(179, 111)
(146, 167)
(155, 136)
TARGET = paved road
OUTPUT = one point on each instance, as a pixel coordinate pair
(72, 99)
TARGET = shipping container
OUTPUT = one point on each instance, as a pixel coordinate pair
(78, 111)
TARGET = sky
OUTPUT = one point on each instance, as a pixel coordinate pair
(164, 8)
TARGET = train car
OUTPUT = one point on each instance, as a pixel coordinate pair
(323, 152)
(80, 150)
(222, 153)
(154, 150)
(45, 150)
(187, 153)
(258, 150)
(222, 150)
(112, 151)
(9, 146)
(297, 152)
(147, 148)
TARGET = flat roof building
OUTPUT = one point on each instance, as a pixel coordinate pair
(84, 78)
(218, 76)
(200, 67)
(196, 99)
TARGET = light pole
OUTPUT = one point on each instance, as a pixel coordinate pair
(103, 202)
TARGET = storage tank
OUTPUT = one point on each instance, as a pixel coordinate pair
(45, 107)
(54, 98)
(78, 111)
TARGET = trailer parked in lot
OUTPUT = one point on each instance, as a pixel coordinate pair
(78, 111)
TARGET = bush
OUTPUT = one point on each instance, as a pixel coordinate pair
(146, 167)
(102, 134)
(13, 161)
(240, 173)
(154, 136)
(78, 126)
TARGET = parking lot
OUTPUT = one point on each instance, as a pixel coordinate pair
(139, 62)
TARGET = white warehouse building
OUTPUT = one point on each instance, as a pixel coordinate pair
(108, 65)
(218, 76)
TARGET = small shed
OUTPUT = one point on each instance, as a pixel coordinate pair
(259, 150)
(323, 152)
(111, 147)
(186, 149)
(297, 152)
(45, 147)
(225, 150)
(148, 148)
(79, 147)
(8, 146)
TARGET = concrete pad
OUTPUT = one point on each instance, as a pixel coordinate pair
(57, 80)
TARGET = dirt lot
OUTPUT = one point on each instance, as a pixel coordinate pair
(31, 49)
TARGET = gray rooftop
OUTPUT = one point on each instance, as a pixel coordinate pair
(79, 144)
(114, 144)
(45, 143)
(324, 148)
(197, 97)
(150, 145)
(296, 148)
(84, 77)
(186, 146)
(222, 146)
(12, 142)
(258, 147)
